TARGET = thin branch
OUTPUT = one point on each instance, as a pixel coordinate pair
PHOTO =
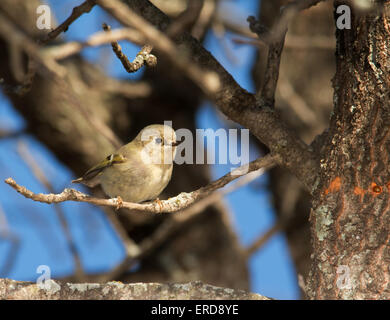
(138, 89)
(286, 215)
(65, 50)
(215, 196)
(5, 134)
(85, 7)
(275, 39)
(143, 57)
(263, 239)
(220, 33)
(177, 203)
(206, 14)
(295, 42)
(186, 18)
(208, 81)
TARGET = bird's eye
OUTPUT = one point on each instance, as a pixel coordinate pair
(158, 140)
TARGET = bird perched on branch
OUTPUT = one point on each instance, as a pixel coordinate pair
(138, 171)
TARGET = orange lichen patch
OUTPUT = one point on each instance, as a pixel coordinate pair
(334, 185)
(388, 186)
(375, 189)
(359, 192)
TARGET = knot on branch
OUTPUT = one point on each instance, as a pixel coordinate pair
(256, 27)
(143, 57)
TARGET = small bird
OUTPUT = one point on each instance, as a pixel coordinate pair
(140, 170)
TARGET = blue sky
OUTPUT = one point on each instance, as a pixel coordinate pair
(37, 227)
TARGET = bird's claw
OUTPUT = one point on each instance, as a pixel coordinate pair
(158, 201)
(119, 203)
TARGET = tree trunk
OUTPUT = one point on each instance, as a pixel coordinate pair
(350, 217)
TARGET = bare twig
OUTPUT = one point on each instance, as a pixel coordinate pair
(296, 42)
(144, 56)
(263, 239)
(206, 80)
(39, 174)
(138, 89)
(85, 7)
(16, 61)
(177, 203)
(286, 215)
(215, 196)
(65, 50)
(186, 18)
(5, 134)
(220, 32)
(205, 17)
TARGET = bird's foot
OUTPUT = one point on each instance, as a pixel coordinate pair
(119, 203)
(158, 201)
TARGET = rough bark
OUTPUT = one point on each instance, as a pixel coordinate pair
(350, 218)
(57, 290)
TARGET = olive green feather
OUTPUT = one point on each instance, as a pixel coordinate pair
(98, 169)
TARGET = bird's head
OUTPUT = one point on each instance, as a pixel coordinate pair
(158, 144)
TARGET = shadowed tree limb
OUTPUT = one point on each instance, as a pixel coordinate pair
(85, 7)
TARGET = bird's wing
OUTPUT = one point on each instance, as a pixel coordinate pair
(89, 178)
